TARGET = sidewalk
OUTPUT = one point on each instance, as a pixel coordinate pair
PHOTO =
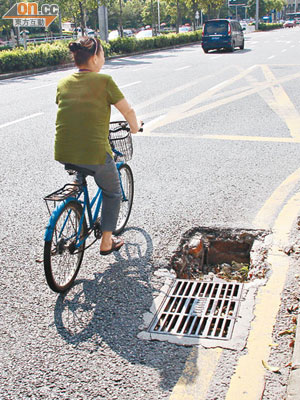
(293, 392)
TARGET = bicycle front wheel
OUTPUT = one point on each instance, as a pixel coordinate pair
(126, 180)
(62, 259)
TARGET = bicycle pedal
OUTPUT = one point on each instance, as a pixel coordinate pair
(97, 229)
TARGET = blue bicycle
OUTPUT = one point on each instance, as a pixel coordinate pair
(75, 216)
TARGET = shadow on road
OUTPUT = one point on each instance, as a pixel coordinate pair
(109, 309)
(222, 51)
(140, 59)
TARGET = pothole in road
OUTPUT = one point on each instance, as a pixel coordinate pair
(230, 254)
(210, 301)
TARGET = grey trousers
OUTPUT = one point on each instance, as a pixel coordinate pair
(107, 178)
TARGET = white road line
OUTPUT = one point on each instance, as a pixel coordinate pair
(20, 120)
(130, 84)
(269, 58)
(282, 51)
(292, 46)
(180, 69)
(42, 86)
(215, 57)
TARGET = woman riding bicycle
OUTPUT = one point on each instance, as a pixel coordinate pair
(82, 126)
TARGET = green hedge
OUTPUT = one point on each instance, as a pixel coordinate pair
(268, 27)
(57, 53)
(34, 57)
(5, 47)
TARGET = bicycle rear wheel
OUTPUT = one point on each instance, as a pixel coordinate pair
(126, 179)
(62, 259)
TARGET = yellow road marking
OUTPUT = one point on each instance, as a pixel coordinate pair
(165, 94)
(147, 132)
(248, 380)
(199, 370)
(278, 100)
(168, 109)
(264, 217)
(185, 110)
(282, 104)
(252, 138)
(179, 111)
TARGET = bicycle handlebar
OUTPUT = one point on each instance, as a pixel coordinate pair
(123, 126)
(141, 128)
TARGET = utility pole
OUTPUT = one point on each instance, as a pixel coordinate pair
(59, 23)
(153, 19)
(256, 15)
(121, 19)
(158, 16)
(103, 22)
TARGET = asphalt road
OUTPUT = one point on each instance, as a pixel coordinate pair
(222, 133)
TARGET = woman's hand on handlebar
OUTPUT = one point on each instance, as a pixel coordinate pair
(138, 128)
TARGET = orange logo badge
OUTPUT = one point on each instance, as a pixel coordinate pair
(28, 15)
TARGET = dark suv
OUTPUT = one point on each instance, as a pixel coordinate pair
(222, 34)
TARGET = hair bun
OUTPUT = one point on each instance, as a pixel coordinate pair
(74, 46)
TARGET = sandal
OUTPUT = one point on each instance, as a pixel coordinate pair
(116, 245)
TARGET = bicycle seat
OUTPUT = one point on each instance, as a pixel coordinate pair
(82, 170)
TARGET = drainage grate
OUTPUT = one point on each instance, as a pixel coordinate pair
(199, 309)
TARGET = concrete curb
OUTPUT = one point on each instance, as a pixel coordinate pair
(35, 71)
(293, 391)
(71, 65)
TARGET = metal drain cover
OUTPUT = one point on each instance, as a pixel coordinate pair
(199, 309)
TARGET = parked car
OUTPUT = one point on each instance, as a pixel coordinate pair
(222, 34)
(89, 32)
(128, 33)
(144, 34)
(289, 24)
(244, 25)
(113, 35)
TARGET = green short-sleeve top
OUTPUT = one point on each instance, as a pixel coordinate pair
(84, 105)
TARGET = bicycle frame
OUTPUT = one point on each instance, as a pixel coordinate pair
(75, 224)
(87, 205)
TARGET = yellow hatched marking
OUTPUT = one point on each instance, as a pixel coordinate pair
(199, 370)
(180, 112)
(282, 104)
